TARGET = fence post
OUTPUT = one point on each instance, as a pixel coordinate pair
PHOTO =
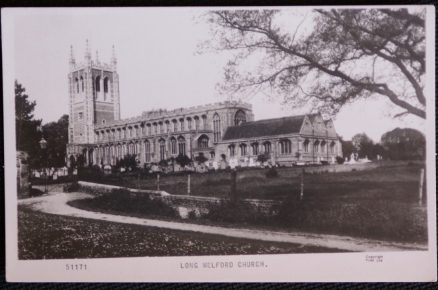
(302, 185)
(420, 190)
(233, 194)
(158, 181)
(188, 184)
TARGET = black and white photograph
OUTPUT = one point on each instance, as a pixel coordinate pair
(220, 144)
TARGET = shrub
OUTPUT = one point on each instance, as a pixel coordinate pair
(234, 212)
(271, 173)
(340, 160)
(71, 187)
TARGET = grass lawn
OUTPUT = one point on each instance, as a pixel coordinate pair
(46, 236)
(389, 182)
(379, 203)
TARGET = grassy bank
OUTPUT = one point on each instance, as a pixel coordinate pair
(45, 236)
(389, 182)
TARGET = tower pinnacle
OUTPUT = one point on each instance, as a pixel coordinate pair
(113, 58)
(87, 52)
(72, 58)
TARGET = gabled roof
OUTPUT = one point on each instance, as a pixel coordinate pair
(268, 127)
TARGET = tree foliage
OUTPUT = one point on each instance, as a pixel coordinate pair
(404, 144)
(27, 134)
(56, 135)
(363, 146)
(348, 54)
(183, 160)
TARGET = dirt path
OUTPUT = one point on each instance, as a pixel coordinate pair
(56, 203)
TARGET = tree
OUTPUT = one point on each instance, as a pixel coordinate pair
(183, 160)
(201, 158)
(263, 157)
(347, 147)
(348, 54)
(27, 134)
(404, 144)
(56, 134)
(363, 146)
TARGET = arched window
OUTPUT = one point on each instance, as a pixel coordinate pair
(167, 122)
(105, 85)
(267, 147)
(204, 122)
(196, 123)
(216, 128)
(97, 84)
(181, 121)
(203, 142)
(189, 123)
(232, 150)
(161, 127)
(162, 144)
(77, 85)
(239, 118)
(181, 145)
(285, 146)
(306, 145)
(105, 88)
(147, 151)
(255, 148)
(82, 84)
(155, 130)
(332, 147)
(323, 145)
(243, 149)
(173, 146)
(316, 146)
(175, 125)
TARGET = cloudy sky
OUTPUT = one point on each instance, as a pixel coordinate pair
(158, 64)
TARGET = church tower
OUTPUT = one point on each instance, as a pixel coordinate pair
(93, 95)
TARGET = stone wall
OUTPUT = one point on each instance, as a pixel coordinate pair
(184, 204)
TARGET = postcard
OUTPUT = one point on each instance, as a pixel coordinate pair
(220, 144)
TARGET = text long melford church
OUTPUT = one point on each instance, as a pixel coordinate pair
(223, 132)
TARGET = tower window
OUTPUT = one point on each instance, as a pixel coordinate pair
(97, 86)
(239, 118)
(80, 115)
(82, 84)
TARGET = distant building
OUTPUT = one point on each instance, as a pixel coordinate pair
(221, 132)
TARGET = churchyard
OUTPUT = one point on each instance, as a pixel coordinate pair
(378, 202)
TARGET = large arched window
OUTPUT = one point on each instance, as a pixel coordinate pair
(323, 145)
(196, 123)
(285, 146)
(204, 122)
(232, 150)
(181, 122)
(173, 148)
(203, 142)
(147, 151)
(175, 125)
(316, 146)
(105, 88)
(105, 85)
(97, 84)
(306, 145)
(77, 85)
(189, 123)
(239, 118)
(82, 83)
(181, 145)
(243, 149)
(216, 127)
(267, 147)
(332, 147)
(162, 144)
(255, 148)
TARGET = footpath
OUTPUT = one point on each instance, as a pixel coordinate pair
(56, 203)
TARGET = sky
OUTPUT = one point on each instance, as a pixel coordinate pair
(159, 65)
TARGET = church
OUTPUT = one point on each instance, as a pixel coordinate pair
(223, 132)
